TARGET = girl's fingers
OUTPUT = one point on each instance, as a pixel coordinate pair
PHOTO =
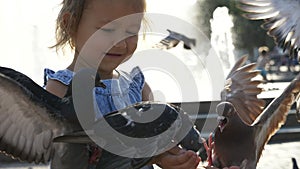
(176, 150)
(205, 145)
(210, 140)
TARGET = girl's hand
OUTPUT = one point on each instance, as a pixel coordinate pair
(177, 158)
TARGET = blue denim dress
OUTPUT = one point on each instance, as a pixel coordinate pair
(119, 93)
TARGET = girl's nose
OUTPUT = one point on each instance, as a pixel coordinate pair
(121, 44)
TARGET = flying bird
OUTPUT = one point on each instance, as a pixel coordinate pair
(173, 39)
(31, 118)
(281, 20)
(245, 126)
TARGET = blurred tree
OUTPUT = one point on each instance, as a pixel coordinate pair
(248, 35)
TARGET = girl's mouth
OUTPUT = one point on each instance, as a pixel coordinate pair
(113, 54)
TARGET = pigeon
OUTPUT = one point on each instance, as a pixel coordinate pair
(173, 39)
(295, 166)
(33, 120)
(281, 20)
(245, 126)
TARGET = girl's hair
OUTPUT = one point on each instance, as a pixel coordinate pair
(74, 9)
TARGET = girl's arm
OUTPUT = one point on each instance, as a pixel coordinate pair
(57, 88)
(147, 93)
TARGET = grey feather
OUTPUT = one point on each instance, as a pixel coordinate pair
(282, 21)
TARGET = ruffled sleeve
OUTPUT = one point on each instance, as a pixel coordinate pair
(137, 77)
(64, 76)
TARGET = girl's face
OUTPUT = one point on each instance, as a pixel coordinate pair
(101, 35)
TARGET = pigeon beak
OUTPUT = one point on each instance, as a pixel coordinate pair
(222, 122)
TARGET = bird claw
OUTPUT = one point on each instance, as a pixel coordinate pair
(298, 116)
(297, 108)
(209, 148)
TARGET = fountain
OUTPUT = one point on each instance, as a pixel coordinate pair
(221, 37)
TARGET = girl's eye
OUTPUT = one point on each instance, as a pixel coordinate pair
(106, 29)
(132, 33)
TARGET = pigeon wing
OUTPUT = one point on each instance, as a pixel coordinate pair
(168, 119)
(28, 123)
(241, 90)
(282, 20)
(274, 116)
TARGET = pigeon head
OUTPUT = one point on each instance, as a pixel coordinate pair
(225, 112)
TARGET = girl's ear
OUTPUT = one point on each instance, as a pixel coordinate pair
(65, 18)
(68, 25)
(66, 22)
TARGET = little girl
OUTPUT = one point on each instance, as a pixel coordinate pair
(77, 21)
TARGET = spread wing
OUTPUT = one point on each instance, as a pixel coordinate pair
(282, 20)
(274, 116)
(242, 91)
(28, 122)
(173, 39)
(126, 129)
(133, 121)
